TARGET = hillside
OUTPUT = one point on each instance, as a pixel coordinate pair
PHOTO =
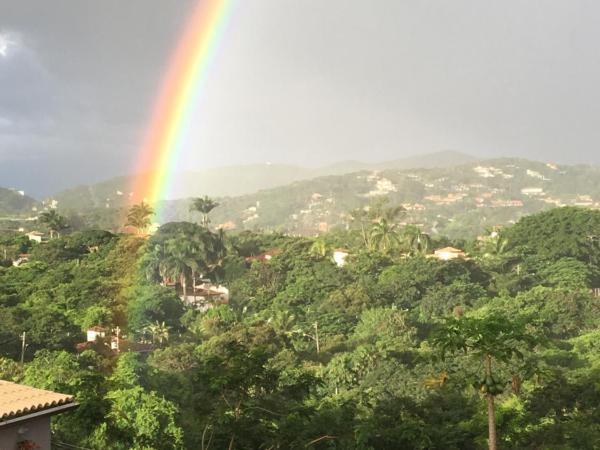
(238, 180)
(301, 344)
(458, 201)
(14, 203)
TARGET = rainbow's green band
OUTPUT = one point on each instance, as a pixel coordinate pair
(180, 93)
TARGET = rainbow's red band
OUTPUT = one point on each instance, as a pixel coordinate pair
(177, 100)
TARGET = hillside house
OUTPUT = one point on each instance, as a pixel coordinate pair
(584, 200)
(206, 295)
(339, 256)
(93, 333)
(21, 259)
(554, 201)
(445, 200)
(227, 226)
(105, 342)
(506, 203)
(383, 186)
(266, 256)
(36, 236)
(532, 191)
(448, 253)
(488, 172)
(25, 415)
(414, 207)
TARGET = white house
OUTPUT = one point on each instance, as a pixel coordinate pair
(94, 333)
(206, 295)
(448, 253)
(339, 256)
(35, 236)
(532, 191)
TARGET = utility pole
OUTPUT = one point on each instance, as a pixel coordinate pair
(314, 337)
(592, 238)
(23, 348)
(118, 331)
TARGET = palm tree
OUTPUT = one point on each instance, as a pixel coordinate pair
(384, 236)
(179, 253)
(283, 322)
(54, 221)
(153, 262)
(194, 256)
(220, 244)
(379, 209)
(392, 213)
(159, 332)
(203, 205)
(139, 216)
(215, 251)
(417, 241)
(361, 216)
(376, 212)
(320, 248)
(495, 245)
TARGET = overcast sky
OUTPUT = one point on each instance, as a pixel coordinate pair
(298, 81)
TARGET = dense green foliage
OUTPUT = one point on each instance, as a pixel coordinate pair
(388, 351)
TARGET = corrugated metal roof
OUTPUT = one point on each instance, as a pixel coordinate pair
(18, 400)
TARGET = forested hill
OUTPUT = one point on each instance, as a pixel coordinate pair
(456, 201)
(393, 349)
(14, 203)
(238, 180)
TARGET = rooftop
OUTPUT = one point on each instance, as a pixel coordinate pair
(18, 400)
(449, 250)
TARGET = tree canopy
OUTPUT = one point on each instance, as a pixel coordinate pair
(394, 349)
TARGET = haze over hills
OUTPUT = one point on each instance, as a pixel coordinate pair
(456, 201)
(14, 202)
(241, 180)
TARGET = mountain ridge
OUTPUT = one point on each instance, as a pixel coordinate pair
(449, 200)
(237, 180)
(13, 202)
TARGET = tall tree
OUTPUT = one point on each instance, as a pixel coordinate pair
(417, 242)
(203, 205)
(361, 217)
(154, 263)
(179, 253)
(215, 249)
(489, 340)
(379, 209)
(320, 248)
(384, 236)
(159, 332)
(54, 221)
(139, 216)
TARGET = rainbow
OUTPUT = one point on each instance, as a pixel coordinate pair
(181, 89)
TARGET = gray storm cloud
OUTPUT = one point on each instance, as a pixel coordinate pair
(304, 82)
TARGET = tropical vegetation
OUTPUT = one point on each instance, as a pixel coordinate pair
(393, 349)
